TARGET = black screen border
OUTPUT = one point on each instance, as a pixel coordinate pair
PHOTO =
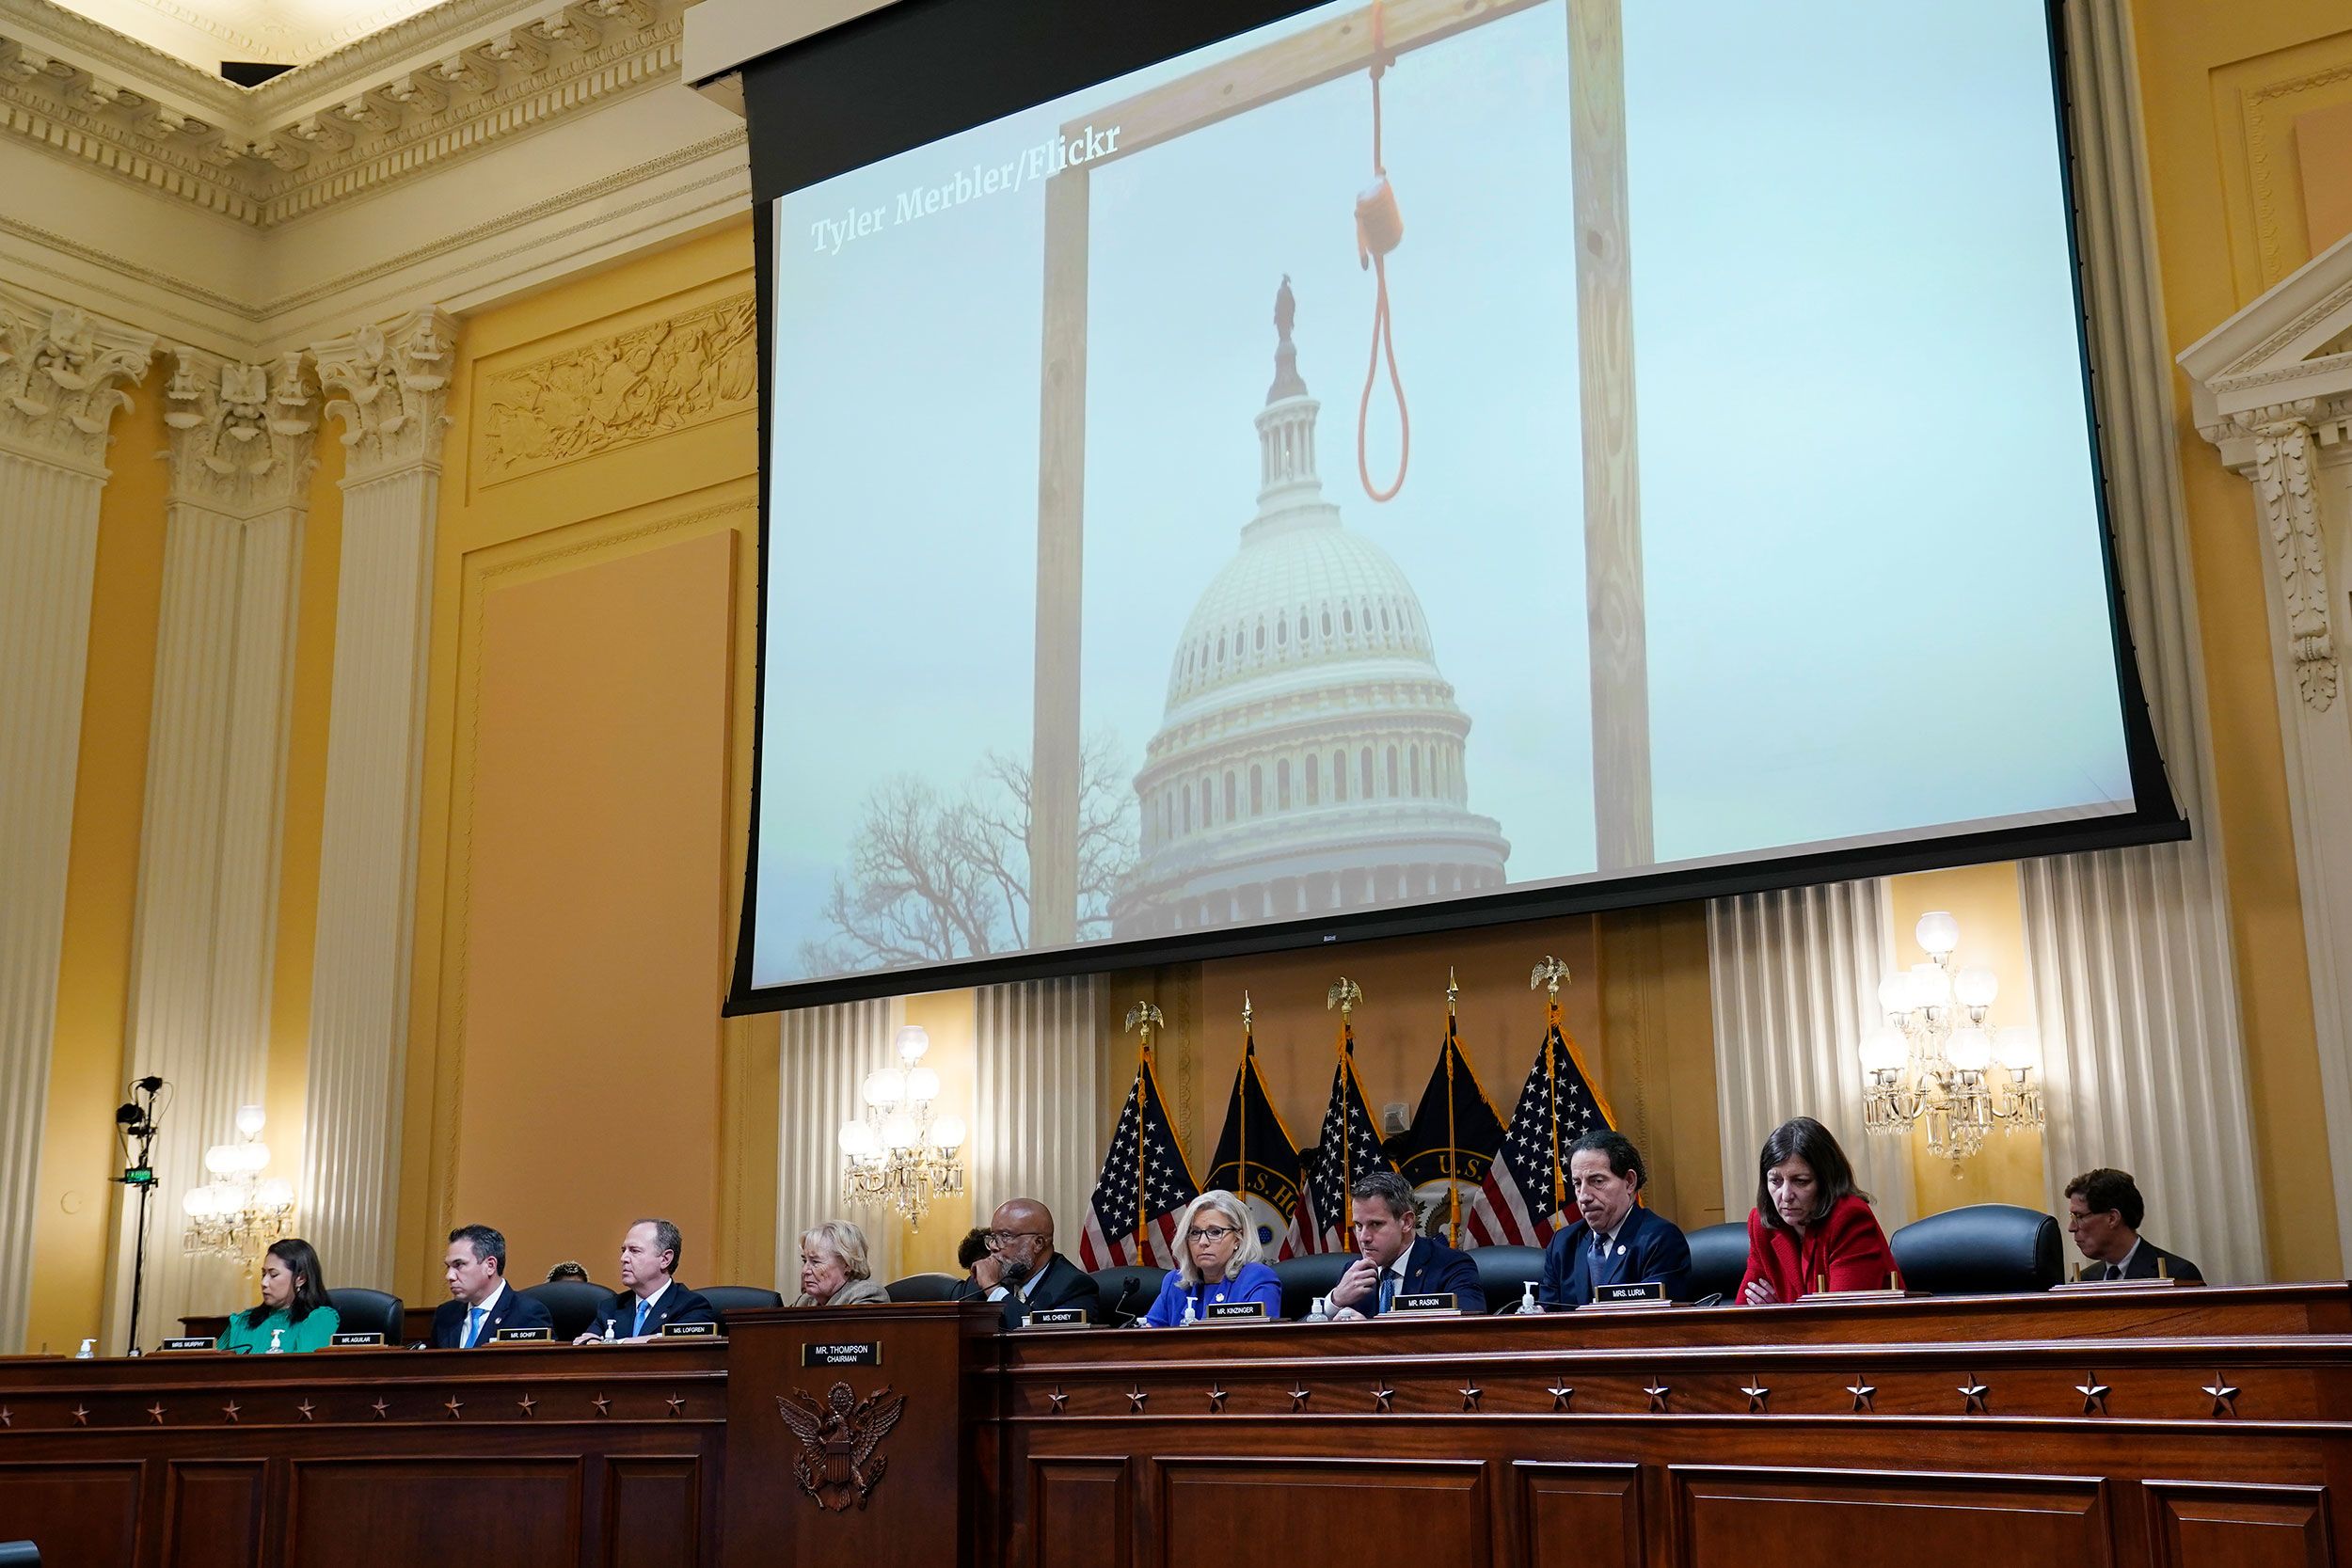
(813, 113)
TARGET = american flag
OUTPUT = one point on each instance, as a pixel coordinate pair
(1525, 1190)
(1346, 1126)
(1145, 1177)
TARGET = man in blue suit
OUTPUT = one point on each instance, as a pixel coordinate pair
(1616, 1240)
(481, 1302)
(649, 1297)
(1394, 1260)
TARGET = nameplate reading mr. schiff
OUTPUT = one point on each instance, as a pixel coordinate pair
(689, 1331)
(1434, 1300)
(1223, 1310)
(1640, 1292)
(522, 1337)
(842, 1352)
(1057, 1316)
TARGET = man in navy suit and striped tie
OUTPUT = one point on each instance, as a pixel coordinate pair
(649, 1297)
(1616, 1240)
(481, 1302)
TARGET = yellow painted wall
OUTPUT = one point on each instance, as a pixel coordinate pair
(2222, 85)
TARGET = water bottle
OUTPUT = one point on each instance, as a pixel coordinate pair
(88, 1350)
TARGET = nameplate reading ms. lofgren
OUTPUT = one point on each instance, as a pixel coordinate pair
(689, 1331)
(842, 1352)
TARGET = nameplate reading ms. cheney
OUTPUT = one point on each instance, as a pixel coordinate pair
(842, 1352)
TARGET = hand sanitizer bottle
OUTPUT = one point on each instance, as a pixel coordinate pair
(275, 1348)
(1191, 1314)
(1319, 1310)
(1527, 1301)
(88, 1350)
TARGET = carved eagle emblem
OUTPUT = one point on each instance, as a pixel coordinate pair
(837, 1464)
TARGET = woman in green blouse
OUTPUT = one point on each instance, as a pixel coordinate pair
(294, 1309)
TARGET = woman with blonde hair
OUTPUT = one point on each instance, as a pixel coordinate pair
(834, 1271)
(1218, 1253)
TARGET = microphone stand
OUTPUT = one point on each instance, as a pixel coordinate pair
(137, 1123)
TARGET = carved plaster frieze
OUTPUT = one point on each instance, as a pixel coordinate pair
(243, 436)
(320, 133)
(2283, 483)
(393, 383)
(694, 367)
(61, 374)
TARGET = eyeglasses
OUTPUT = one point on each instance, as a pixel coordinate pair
(1210, 1233)
(998, 1238)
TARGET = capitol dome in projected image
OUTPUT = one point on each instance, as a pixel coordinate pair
(1310, 756)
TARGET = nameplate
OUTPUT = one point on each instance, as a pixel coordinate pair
(355, 1340)
(1640, 1292)
(1057, 1316)
(2095, 1285)
(188, 1344)
(1222, 1311)
(842, 1352)
(1843, 1296)
(1434, 1301)
(522, 1336)
(689, 1331)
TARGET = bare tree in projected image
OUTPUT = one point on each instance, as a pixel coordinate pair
(933, 877)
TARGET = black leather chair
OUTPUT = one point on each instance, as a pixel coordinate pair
(1985, 1249)
(923, 1287)
(19, 1554)
(365, 1311)
(738, 1298)
(1305, 1278)
(570, 1303)
(1505, 1272)
(1135, 1288)
(1718, 1259)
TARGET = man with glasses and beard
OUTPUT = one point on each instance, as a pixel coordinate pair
(1022, 1269)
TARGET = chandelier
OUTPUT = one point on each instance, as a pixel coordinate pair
(1933, 1061)
(900, 1155)
(239, 1213)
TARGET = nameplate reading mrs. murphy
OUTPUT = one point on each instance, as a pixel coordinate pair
(841, 1352)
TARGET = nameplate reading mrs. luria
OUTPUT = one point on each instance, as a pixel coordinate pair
(349, 1341)
(187, 1344)
(1057, 1316)
(1434, 1300)
(1223, 1310)
(842, 1352)
(689, 1331)
(1640, 1293)
(522, 1336)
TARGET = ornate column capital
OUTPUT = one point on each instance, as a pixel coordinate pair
(2282, 473)
(243, 436)
(60, 376)
(394, 384)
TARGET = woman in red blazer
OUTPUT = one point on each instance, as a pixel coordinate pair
(1811, 1230)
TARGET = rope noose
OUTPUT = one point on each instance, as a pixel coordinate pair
(1379, 229)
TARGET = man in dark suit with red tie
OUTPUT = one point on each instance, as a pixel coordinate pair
(1616, 1240)
(1394, 1260)
(481, 1302)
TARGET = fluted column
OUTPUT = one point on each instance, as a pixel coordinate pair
(60, 384)
(2135, 989)
(388, 388)
(241, 460)
(1795, 980)
(1035, 1088)
(822, 1062)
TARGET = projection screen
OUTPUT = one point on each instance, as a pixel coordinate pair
(1240, 476)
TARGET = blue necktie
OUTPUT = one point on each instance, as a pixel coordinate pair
(473, 1324)
(1388, 1290)
(642, 1305)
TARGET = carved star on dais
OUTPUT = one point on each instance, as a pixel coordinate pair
(1216, 1400)
(1135, 1396)
(229, 1412)
(379, 1407)
(1974, 1392)
(1758, 1396)
(2224, 1396)
(1659, 1394)
(1061, 1401)
(1470, 1396)
(156, 1409)
(1561, 1394)
(527, 1403)
(1382, 1396)
(81, 1415)
(677, 1404)
(1300, 1394)
(2094, 1394)
(603, 1404)
(454, 1404)
(1865, 1395)
(309, 1411)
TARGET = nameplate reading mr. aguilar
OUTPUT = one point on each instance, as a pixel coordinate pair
(1057, 1316)
(347, 1340)
(689, 1331)
(1434, 1300)
(842, 1352)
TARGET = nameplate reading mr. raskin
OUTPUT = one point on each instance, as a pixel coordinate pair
(1620, 1295)
(842, 1352)
(1057, 1316)
(1221, 1309)
(1434, 1300)
(689, 1331)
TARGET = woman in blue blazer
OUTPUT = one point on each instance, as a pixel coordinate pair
(1217, 1245)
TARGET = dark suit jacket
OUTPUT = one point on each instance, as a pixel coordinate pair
(1432, 1266)
(2143, 1265)
(512, 1309)
(1648, 1247)
(1064, 1284)
(675, 1305)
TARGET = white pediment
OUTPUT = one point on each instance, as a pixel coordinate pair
(2290, 349)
